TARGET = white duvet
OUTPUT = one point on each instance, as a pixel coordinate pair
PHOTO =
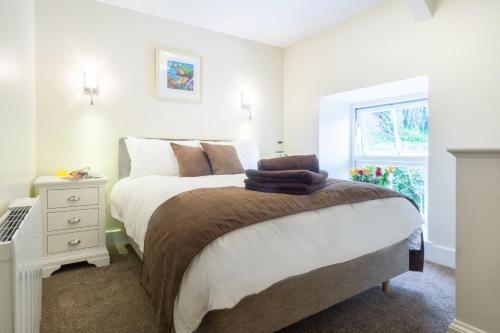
(248, 260)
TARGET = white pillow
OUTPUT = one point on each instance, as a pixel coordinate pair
(247, 150)
(153, 157)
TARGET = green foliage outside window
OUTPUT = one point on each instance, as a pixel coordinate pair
(407, 181)
(410, 182)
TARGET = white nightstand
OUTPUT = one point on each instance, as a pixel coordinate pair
(73, 222)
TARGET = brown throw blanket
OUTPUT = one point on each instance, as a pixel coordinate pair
(287, 176)
(182, 226)
(286, 188)
(297, 162)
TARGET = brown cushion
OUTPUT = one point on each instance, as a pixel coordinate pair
(223, 159)
(193, 161)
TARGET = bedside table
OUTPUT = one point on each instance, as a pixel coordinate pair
(73, 222)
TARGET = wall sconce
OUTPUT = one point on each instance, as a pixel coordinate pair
(281, 151)
(90, 84)
(246, 103)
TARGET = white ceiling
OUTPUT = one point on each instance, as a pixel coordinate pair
(275, 22)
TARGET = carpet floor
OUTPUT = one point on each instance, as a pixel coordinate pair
(82, 298)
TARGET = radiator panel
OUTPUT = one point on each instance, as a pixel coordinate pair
(7, 299)
(20, 277)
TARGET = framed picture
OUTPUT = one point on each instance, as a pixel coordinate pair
(177, 76)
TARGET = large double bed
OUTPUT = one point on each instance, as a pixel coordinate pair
(268, 275)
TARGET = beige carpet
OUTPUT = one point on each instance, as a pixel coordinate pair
(82, 298)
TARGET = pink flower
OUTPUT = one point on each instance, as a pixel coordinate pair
(378, 172)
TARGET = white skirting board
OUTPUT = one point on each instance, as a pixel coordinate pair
(439, 254)
(460, 327)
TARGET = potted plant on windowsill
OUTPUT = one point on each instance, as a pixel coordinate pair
(372, 174)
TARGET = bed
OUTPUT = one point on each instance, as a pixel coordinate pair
(269, 275)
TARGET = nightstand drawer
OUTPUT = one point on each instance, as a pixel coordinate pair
(72, 219)
(72, 197)
(72, 241)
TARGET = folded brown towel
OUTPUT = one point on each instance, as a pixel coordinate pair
(297, 162)
(287, 176)
(287, 188)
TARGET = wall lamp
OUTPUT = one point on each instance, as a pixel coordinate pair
(246, 103)
(90, 84)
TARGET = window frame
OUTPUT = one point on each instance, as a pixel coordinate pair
(421, 161)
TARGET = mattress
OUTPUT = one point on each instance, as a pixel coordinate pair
(249, 260)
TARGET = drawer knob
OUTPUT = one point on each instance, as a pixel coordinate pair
(74, 242)
(73, 198)
(74, 220)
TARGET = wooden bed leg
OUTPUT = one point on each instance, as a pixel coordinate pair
(385, 286)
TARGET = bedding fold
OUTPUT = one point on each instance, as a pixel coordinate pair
(184, 225)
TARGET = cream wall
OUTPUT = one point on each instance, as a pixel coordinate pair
(73, 35)
(335, 137)
(17, 99)
(458, 49)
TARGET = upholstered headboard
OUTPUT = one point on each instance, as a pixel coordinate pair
(124, 158)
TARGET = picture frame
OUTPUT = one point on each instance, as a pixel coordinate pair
(178, 77)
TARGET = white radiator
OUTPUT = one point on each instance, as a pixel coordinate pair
(20, 268)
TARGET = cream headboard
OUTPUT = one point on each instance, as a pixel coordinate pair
(124, 158)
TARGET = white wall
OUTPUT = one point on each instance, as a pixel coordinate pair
(335, 137)
(458, 49)
(72, 35)
(17, 99)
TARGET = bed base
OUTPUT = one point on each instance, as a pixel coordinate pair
(298, 297)
(136, 247)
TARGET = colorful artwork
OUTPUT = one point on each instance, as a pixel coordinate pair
(177, 76)
(180, 75)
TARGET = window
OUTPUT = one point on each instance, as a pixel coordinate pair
(397, 134)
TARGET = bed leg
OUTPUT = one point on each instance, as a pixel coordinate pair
(385, 286)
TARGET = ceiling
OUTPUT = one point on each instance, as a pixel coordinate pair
(275, 22)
